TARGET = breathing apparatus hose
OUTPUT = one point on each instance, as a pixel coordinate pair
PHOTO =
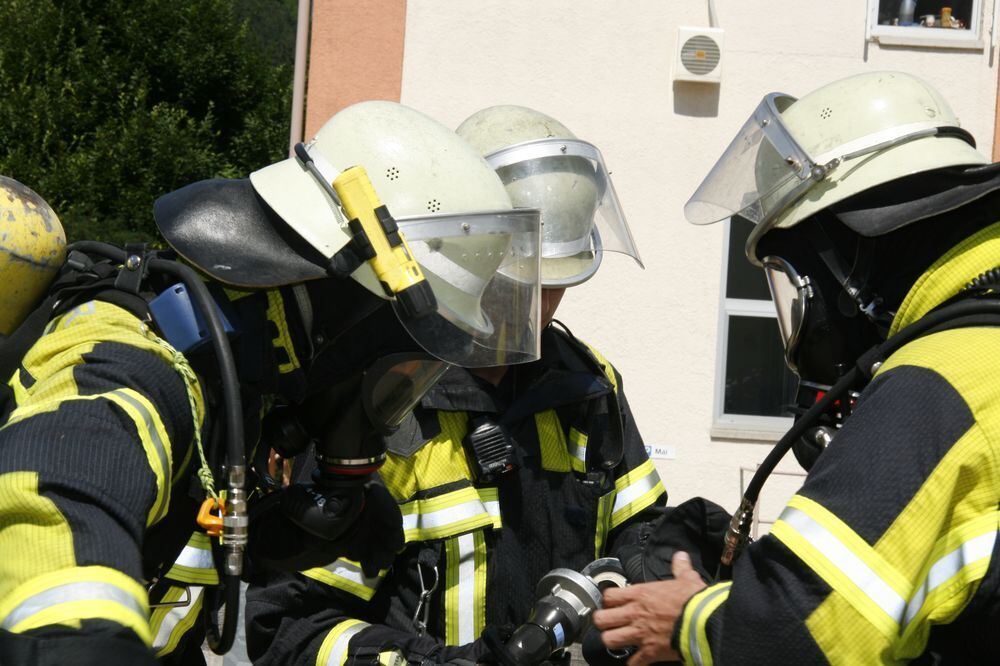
(235, 520)
(968, 312)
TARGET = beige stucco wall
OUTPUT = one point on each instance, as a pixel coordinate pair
(603, 69)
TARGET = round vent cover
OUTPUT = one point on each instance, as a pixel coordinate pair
(700, 55)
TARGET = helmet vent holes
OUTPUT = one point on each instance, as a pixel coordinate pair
(826, 113)
(434, 205)
(392, 173)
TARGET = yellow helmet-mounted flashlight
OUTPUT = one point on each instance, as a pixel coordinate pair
(375, 238)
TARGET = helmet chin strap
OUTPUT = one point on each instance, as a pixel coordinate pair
(853, 279)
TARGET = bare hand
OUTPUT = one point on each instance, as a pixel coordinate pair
(644, 615)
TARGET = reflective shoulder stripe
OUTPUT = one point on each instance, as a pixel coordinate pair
(155, 442)
(449, 514)
(77, 593)
(195, 563)
(348, 576)
(609, 370)
(959, 562)
(577, 445)
(635, 491)
(170, 624)
(552, 442)
(333, 651)
(693, 638)
(283, 339)
(465, 588)
(845, 561)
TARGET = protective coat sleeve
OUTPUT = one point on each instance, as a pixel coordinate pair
(297, 619)
(889, 550)
(102, 429)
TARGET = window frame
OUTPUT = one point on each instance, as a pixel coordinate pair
(899, 35)
(749, 427)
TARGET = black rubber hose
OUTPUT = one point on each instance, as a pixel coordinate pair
(221, 641)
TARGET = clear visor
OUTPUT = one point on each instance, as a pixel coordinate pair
(761, 170)
(791, 294)
(568, 181)
(484, 270)
(394, 385)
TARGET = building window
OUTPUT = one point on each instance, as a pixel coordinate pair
(935, 23)
(754, 388)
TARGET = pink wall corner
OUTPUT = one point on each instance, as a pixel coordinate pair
(355, 54)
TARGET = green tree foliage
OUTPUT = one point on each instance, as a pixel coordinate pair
(107, 104)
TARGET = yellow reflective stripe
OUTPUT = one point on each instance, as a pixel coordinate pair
(693, 638)
(177, 621)
(465, 588)
(77, 593)
(391, 658)
(845, 561)
(451, 513)
(958, 561)
(148, 425)
(604, 507)
(348, 576)
(276, 314)
(552, 442)
(155, 442)
(195, 563)
(635, 491)
(578, 450)
(333, 651)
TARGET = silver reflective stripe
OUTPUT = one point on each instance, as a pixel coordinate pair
(635, 490)
(693, 648)
(173, 617)
(195, 558)
(945, 568)
(60, 594)
(841, 557)
(466, 588)
(338, 653)
(451, 514)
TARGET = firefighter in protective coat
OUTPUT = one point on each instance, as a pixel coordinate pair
(501, 474)
(110, 445)
(876, 222)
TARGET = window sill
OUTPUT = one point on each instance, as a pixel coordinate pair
(941, 38)
(749, 432)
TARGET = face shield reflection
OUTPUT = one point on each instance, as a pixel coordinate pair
(758, 174)
(394, 384)
(484, 270)
(791, 294)
(568, 181)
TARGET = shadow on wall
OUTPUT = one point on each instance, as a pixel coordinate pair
(692, 98)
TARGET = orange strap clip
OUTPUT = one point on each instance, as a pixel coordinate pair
(209, 521)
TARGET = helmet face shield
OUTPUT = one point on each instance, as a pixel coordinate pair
(791, 294)
(581, 216)
(761, 171)
(484, 270)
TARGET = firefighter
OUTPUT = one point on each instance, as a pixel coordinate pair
(340, 319)
(501, 474)
(876, 225)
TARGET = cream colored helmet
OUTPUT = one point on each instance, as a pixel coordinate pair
(544, 166)
(479, 255)
(794, 158)
(32, 248)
